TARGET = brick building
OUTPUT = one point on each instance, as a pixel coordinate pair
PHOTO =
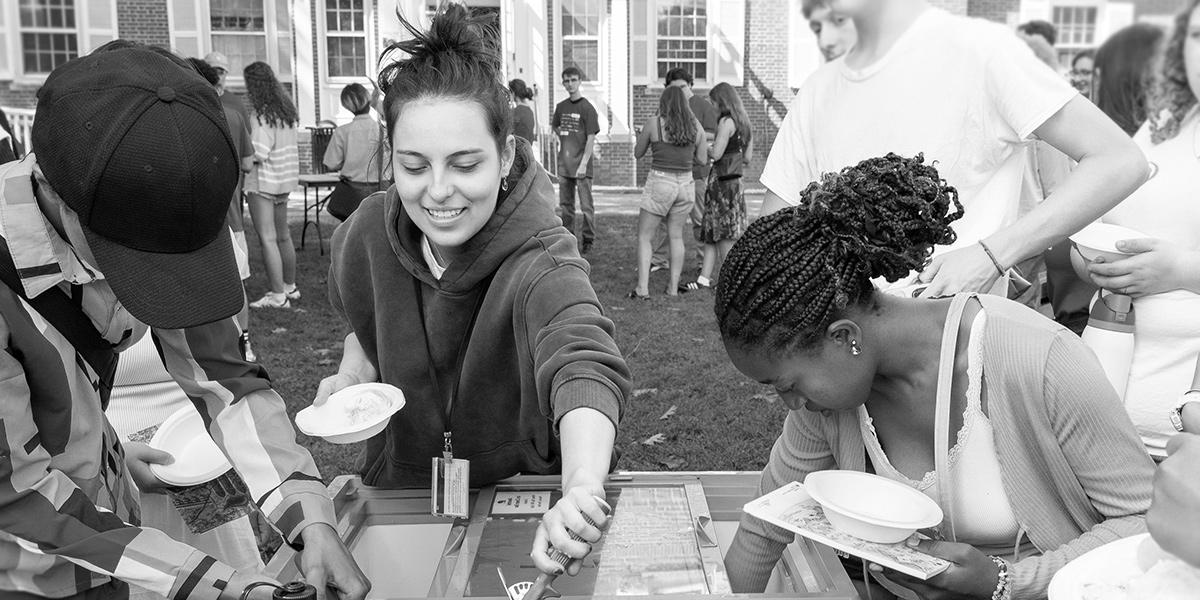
(762, 47)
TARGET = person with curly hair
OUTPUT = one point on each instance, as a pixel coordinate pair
(675, 139)
(1163, 273)
(971, 96)
(275, 174)
(461, 287)
(997, 413)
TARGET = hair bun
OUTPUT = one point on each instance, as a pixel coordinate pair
(456, 41)
(889, 211)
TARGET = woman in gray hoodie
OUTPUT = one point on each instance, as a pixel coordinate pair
(462, 288)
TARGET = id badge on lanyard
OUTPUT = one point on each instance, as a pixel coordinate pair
(450, 487)
(450, 481)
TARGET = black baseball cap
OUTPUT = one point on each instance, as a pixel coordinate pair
(134, 141)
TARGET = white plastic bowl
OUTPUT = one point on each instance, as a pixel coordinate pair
(335, 422)
(1100, 239)
(197, 457)
(871, 507)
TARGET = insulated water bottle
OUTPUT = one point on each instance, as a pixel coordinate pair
(1109, 333)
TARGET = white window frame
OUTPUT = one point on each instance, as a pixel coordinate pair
(70, 32)
(367, 34)
(717, 58)
(702, 37)
(600, 76)
(271, 33)
(10, 25)
(1070, 48)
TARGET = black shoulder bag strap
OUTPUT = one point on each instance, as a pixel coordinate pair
(67, 317)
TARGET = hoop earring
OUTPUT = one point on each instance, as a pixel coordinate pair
(854, 349)
(504, 184)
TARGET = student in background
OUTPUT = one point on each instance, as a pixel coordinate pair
(576, 124)
(675, 140)
(724, 214)
(524, 121)
(358, 152)
(275, 174)
(241, 140)
(1082, 73)
(703, 110)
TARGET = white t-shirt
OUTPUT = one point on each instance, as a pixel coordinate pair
(1167, 325)
(966, 92)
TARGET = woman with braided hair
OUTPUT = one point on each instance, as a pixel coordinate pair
(1045, 466)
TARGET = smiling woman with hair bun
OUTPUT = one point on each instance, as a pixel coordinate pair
(461, 287)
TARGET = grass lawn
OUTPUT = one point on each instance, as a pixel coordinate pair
(721, 420)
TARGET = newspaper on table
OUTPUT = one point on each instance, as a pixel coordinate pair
(791, 508)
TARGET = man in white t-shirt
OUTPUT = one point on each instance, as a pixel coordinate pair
(972, 97)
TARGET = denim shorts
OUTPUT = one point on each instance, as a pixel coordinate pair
(668, 193)
(276, 199)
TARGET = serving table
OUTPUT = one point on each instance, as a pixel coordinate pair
(667, 537)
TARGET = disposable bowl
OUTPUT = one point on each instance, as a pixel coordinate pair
(871, 507)
(1098, 240)
(197, 457)
(337, 421)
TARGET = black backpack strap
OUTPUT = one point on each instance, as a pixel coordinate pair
(68, 318)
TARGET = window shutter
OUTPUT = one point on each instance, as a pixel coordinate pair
(726, 41)
(101, 25)
(804, 56)
(7, 33)
(184, 20)
(641, 56)
(1116, 15)
(283, 39)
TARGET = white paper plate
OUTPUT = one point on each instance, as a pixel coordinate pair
(1113, 563)
(197, 457)
(338, 420)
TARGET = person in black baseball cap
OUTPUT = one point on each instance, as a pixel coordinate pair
(113, 225)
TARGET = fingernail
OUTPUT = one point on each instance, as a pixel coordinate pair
(912, 542)
(1121, 245)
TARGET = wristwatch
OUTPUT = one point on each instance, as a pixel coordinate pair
(1177, 412)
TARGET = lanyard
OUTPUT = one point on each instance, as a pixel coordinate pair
(460, 358)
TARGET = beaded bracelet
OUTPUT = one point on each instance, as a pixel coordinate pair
(1003, 589)
(999, 269)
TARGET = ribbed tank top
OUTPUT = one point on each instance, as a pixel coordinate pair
(670, 157)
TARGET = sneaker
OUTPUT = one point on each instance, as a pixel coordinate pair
(657, 268)
(272, 300)
(294, 293)
(244, 346)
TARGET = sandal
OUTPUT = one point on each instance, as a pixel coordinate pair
(633, 295)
